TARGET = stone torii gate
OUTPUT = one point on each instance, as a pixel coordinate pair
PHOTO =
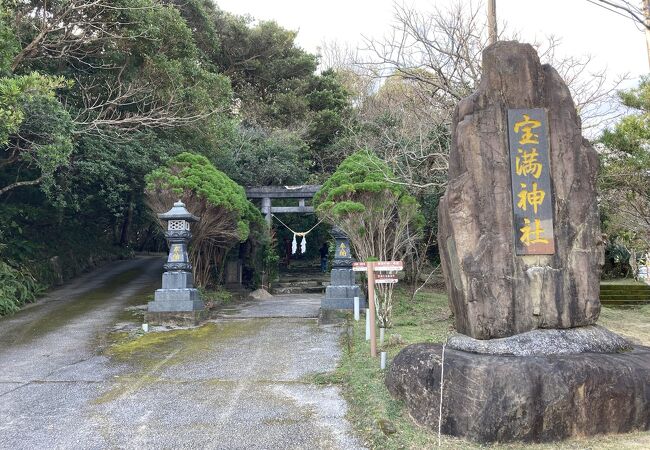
(342, 289)
(268, 193)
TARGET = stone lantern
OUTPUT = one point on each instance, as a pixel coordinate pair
(178, 298)
(343, 288)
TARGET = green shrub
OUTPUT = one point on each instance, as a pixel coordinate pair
(17, 287)
(225, 213)
(381, 219)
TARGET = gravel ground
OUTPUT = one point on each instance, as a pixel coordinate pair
(240, 382)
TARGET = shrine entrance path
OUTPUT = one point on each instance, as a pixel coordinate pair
(241, 381)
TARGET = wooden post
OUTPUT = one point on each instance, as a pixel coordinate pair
(492, 21)
(646, 15)
(371, 306)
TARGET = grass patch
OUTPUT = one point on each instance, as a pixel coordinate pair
(632, 322)
(218, 295)
(622, 282)
(428, 319)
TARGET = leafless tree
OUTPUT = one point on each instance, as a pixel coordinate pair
(625, 8)
(440, 53)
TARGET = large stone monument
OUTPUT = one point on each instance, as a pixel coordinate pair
(521, 252)
(521, 121)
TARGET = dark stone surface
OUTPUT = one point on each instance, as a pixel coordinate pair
(530, 398)
(493, 292)
(177, 280)
(592, 338)
(342, 297)
(343, 288)
(176, 300)
(175, 318)
(329, 316)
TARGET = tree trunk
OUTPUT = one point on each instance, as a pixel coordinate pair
(126, 224)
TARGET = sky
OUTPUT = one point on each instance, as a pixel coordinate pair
(614, 42)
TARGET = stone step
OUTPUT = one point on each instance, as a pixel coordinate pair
(279, 290)
(617, 296)
(625, 291)
(624, 302)
(286, 290)
(305, 283)
(314, 289)
(625, 286)
(304, 276)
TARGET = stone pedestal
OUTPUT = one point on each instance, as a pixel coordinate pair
(488, 398)
(342, 288)
(177, 294)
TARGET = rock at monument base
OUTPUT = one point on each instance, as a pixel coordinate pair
(592, 338)
(524, 398)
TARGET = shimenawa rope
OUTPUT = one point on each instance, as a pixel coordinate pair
(303, 235)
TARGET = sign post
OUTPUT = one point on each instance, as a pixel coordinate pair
(371, 305)
(380, 278)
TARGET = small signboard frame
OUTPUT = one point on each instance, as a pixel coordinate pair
(530, 170)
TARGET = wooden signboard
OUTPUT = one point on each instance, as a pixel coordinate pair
(388, 266)
(530, 170)
(385, 278)
(379, 266)
(377, 278)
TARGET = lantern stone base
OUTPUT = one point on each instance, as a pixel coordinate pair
(342, 297)
(177, 280)
(176, 318)
(498, 398)
(176, 300)
(342, 290)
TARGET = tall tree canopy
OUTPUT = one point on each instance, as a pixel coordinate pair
(625, 174)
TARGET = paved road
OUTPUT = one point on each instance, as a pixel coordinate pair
(242, 381)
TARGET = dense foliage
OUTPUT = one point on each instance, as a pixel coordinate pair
(17, 287)
(625, 184)
(381, 218)
(96, 94)
(220, 203)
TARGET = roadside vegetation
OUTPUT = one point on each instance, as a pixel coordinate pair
(384, 423)
(96, 95)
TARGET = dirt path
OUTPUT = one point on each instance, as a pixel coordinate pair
(242, 381)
